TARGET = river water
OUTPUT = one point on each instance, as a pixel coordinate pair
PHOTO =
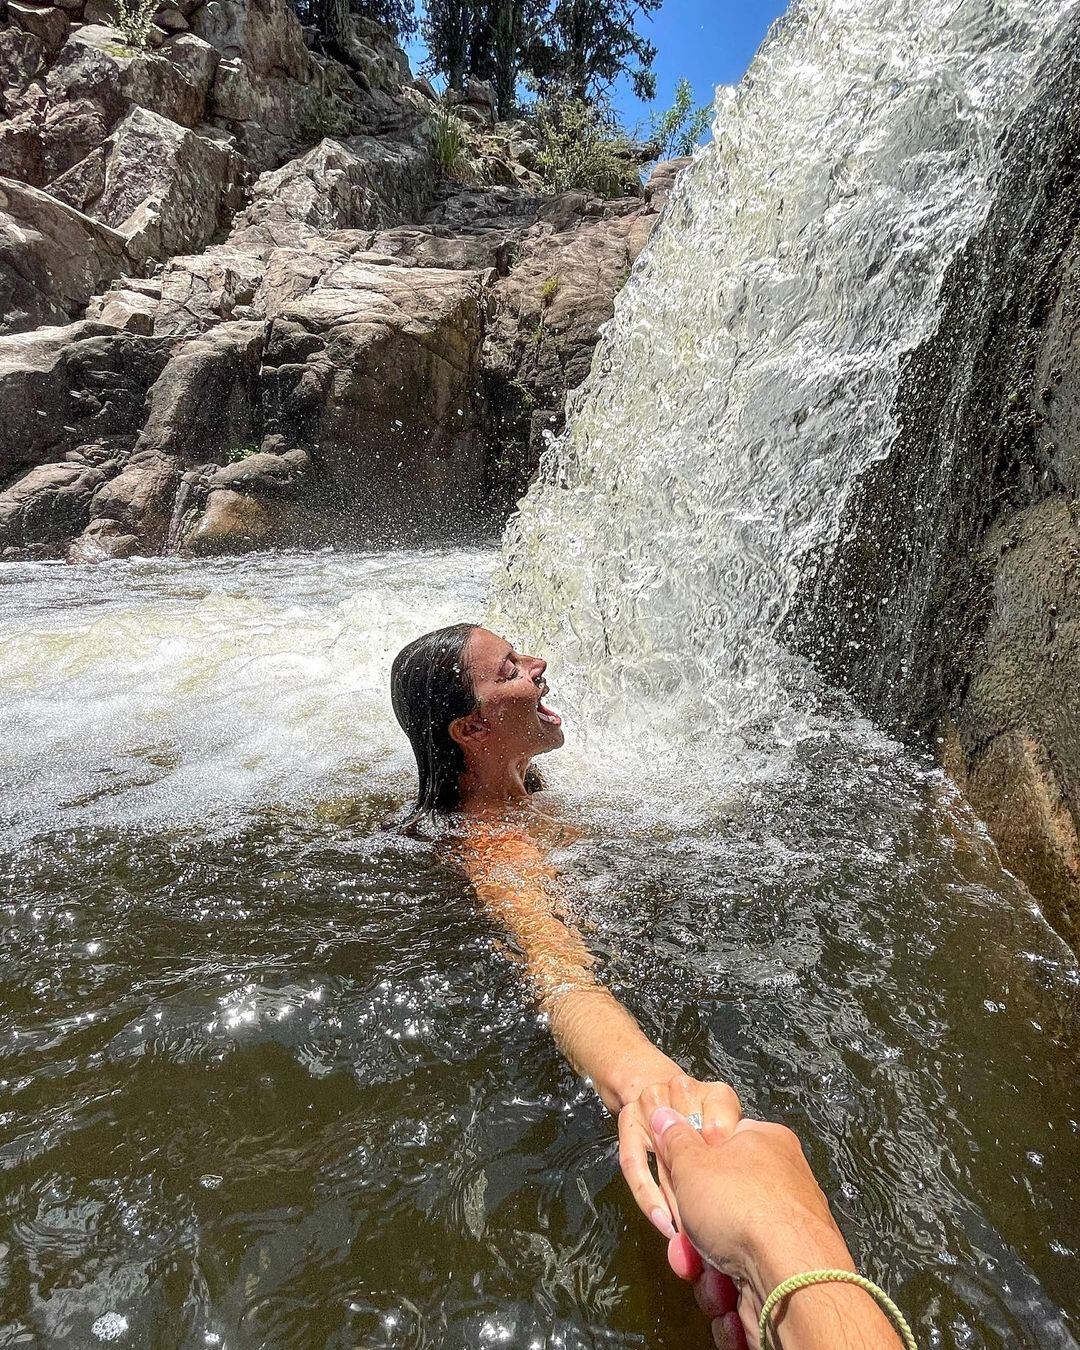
(269, 1080)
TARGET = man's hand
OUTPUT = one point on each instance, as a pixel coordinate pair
(718, 1106)
(751, 1211)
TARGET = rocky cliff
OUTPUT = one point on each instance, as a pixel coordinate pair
(953, 612)
(243, 306)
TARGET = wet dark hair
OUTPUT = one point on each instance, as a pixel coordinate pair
(430, 687)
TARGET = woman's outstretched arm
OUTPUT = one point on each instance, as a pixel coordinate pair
(601, 1040)
(517, 885)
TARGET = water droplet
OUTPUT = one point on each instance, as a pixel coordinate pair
(109, 1326)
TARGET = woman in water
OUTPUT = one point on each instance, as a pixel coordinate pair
(473, 709)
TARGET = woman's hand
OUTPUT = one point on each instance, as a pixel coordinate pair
(718, 1106)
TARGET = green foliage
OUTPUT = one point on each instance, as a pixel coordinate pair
(135, 18)
(331, 17)
(678, 130)
(240, 452)
(580, 48)
(565, 49)
(450, 139)
(579, 145)
(549, 290)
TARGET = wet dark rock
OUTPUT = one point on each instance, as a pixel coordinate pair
(52, 258)
(959, 584)
(207, 401)
(102, 541)
(235, 522)
(48, 505)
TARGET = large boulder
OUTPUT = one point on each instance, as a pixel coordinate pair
(48, 23)
(167, 190)
(52, 258)
(97, 67)
(139, 502)
(67, 387)
(206, 401)
(376, 374)
(356, 183)
(234, 522)
(1019, 724)
(47, 506)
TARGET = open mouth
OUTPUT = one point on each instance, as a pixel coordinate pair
(544, 713)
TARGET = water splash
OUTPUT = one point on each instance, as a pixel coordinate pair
(748, 377)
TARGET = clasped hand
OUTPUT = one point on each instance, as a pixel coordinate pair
(717, 1104)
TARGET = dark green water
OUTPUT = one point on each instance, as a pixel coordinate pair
(268, 1080)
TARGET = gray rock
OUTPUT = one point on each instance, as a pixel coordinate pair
(102, 541)
(139, 501)
(70, 131)
(52, 258)
(96, 64)
(200, 291)
(662, 180)
(22, 59)
(63, 388)
(47, 505)
(262, 473)
(167, 190)
(356, 183)
(48, 23)
(132, 311)
(206, 401)
(375, 373)
(82, 184)
(20, 148)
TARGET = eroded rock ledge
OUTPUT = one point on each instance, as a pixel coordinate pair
(242, 306)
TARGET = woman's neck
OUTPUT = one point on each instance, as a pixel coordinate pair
(486, 786)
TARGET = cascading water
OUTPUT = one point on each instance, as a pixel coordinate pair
(749, 377)
(254, 1048)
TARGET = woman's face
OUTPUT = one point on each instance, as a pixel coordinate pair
(509, 689)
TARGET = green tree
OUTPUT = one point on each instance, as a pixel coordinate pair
(582, 46)
(579, 145)
(451, 29)
(332, 18)
(678, 130)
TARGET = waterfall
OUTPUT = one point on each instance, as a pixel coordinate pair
(748, 379)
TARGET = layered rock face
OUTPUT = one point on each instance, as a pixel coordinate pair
(959, 590)
(242, 306)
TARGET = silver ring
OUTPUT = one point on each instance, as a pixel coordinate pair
(694, 1118)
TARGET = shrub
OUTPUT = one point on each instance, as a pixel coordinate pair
(135, 18)
(579, 148)
(549, 290)
(450, 139)
(677, 131)
(241, 452)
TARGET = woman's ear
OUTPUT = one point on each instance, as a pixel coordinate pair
(468, 730)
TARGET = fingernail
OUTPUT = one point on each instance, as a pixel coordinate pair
(662, 1119)
(662, 1220)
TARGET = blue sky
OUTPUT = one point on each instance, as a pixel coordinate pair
(709, 41)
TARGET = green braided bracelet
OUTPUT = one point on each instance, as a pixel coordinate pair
(844, 1277)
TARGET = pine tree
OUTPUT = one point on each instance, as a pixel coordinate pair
(583, 46)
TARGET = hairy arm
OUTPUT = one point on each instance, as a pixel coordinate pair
(517, 885)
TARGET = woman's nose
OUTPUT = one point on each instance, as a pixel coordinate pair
(539, 666)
